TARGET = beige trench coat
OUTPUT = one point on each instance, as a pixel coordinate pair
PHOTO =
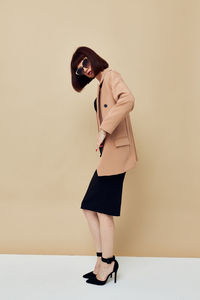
(116, 101)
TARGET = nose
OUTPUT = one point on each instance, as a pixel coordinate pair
(85, 69)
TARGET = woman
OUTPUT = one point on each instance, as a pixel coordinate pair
(116, 144)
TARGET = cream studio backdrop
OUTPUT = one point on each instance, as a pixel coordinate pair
(48, 131)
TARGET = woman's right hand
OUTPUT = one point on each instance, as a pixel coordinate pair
(100, 138)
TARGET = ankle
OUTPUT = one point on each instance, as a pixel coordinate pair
(108, 259)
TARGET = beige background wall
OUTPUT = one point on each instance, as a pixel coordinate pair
(48, 131)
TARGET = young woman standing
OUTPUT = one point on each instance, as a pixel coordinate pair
(118, 154)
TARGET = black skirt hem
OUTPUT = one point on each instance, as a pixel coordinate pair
(103, 212)
(104, 194)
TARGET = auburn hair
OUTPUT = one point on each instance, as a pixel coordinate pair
(98, 64)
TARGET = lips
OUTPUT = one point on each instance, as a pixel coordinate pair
(89, 72)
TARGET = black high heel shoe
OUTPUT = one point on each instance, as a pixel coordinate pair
(108, 260)
(92, 274)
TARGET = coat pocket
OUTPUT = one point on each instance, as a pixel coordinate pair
(122, 141)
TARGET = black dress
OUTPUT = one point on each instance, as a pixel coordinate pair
(104, 193)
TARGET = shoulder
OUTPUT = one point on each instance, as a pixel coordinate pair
(112, 75)
(112, 78)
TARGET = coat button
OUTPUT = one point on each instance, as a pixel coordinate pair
(105, 105)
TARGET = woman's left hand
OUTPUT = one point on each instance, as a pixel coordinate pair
(100, 138)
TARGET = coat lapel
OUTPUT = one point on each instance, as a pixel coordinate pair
(98, 102)
(99, 93)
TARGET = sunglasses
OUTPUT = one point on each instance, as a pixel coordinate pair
(85, 63)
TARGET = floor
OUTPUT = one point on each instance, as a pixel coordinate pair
(59, 277)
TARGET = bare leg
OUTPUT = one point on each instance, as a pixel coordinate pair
(107, 227)
(94, 227)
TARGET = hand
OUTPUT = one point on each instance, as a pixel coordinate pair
(101, 137)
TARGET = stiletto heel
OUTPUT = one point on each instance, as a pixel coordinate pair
(108, 260)
(91, 274)
(115, 276)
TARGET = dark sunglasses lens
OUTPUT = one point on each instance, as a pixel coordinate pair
(80, 71)
(85, 63)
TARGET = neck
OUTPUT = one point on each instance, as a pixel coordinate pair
(99, 76)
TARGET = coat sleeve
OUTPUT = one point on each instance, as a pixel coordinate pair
(124, 103)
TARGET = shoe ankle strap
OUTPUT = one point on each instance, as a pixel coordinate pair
(108, 260)
(99, 253)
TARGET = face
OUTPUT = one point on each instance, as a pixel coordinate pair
(84, 68)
